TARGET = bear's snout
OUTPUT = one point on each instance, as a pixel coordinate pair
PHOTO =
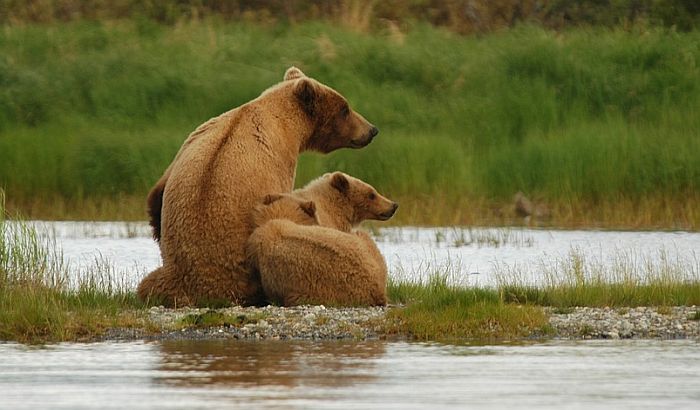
(373, 132)
(388, 214)
(366, 139)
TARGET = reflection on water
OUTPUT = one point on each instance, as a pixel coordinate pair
(286, 364)
(274, 374)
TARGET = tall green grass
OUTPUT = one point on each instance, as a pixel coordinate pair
(441, 311)
(632, 280)
(42, 300)
(437, 303)
(93, 110)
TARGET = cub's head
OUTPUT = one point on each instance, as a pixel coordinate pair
(364, 200)
(335, 124)
(284, 206)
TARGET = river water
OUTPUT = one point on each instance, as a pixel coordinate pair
(633, 374)
(477, 256)
(273, 374)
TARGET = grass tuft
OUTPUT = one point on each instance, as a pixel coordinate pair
(631, 281)
(439, 307)
(41, 302)
(443, 312)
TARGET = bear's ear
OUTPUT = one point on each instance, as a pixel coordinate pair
(305, 91)
(340, 182)
(293, 73)
(309, 208)
(270, 198)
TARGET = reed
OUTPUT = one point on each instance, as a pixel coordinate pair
(440, 304)
(441, 311)
(630, 280)
(42, 300)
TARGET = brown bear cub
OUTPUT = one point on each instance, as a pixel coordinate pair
(304, 264)
(284, 208)
(200, 208)
(342, 201)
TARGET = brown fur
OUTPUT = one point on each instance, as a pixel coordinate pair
(288, 206)
(154, 201)
(342, 201)
(222, 169)
(322, 264)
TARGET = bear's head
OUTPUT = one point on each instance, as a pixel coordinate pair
(364, 201)
(334, 124)
(284, 206)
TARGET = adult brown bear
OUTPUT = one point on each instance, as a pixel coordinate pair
(200, 208)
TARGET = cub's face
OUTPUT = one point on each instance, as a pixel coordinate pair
(335, 124)
(285, 206)
(366, 202)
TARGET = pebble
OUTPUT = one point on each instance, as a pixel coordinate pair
(264, 323)
(326, 323)
(626, 323)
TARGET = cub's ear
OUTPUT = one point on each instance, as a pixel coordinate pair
(340, 182)
(270, 198)
(293, 73)
(309, 208)
(306, 93)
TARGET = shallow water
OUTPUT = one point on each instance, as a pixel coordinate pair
(470, 256)
(273, 374)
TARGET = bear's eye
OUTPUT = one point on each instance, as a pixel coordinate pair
(345, 111)
(372, 196)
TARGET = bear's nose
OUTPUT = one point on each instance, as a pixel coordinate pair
(373, 132)
(388, 214)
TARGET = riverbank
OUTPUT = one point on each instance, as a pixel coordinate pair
(322, 323)
(44, 298)
(654, 212)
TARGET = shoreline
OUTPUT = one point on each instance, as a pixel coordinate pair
(317, 323)
(422, 211)
(656, 322)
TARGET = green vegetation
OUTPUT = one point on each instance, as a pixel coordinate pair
(443, 312)
(40, 300)
(463, 16)
(441, 308)
(598, 124)
(211, 318)
(631, 281)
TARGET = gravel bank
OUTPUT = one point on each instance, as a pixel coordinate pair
(321, 323)
(270, 322)
(627, 323)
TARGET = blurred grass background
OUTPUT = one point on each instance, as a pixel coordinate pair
(588, 107)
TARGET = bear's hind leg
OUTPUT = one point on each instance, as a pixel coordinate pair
(160, 287)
